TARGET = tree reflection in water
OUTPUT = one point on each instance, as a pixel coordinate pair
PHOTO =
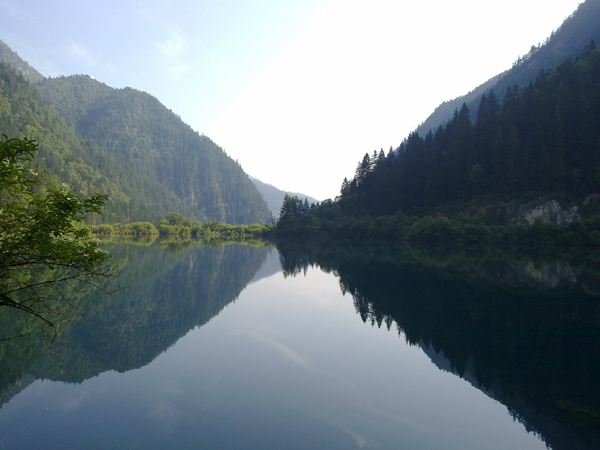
(525, 331)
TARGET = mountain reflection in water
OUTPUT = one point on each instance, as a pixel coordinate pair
(523, 331)
(167, 290)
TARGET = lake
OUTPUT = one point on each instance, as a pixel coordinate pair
(248, 347)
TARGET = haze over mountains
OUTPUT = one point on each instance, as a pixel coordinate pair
(274, 196)
(525, 151)
(123, 142)
(132, 129)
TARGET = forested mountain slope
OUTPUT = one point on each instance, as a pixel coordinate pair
(544, 138)
(83, 166)
(135, 128)
(577, 30)
(123, 143)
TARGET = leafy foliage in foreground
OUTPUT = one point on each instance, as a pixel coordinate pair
(44, 253)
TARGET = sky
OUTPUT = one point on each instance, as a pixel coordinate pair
(297, 91)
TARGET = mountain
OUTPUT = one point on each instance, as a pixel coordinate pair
(520, 155)
(567, 41)
(126, 144)
(83, 166)
(136, 128)
(541, 140)
(274, 196)
(62, 156)
(15, 61)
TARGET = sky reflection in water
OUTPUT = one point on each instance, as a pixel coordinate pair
(289, 365)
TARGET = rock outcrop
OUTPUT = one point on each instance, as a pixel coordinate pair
(543, 208)
(546, 209)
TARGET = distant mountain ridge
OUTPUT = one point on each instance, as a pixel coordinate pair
(578, 29)
(126, 144)
(274, 196)
(14, 60)
(539, 144)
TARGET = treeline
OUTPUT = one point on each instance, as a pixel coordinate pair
(177, 225)
(542, 138)
(300, 221)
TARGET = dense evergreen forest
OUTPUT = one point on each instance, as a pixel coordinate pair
(125, 144)
(522, 330)
(541, 138)
(536, 144)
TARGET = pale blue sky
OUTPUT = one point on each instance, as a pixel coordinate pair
(297, 91)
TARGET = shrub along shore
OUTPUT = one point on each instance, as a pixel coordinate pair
(303, 222)
(441, 231)
(176, 225)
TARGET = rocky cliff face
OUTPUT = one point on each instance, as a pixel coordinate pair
(544, 208)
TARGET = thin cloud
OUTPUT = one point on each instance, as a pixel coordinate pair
(166, 415)
(174, 49)
(175, 45)
(299, 360)
(77, 51)
(294, 357)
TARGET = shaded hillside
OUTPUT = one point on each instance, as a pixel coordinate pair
(577, 30)
(542, 139)
(274, 197)
(125, 144)
(83, 166)
(136, 128)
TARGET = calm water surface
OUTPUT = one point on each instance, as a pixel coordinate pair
(265, 361)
